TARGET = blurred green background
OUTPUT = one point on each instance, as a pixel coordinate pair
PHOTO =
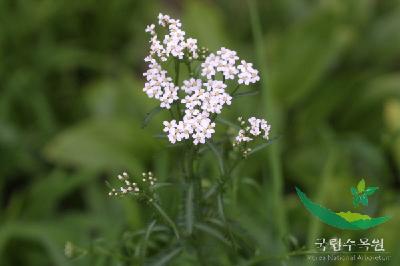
(72, 106)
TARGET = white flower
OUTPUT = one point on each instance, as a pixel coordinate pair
(227, 62)
(160, 86)
(247, 73)
(191, 45)
(150, 29)
(168, 125)
(255, 128)
(202, 97)
(228, 55)
(191, 85)
(208, 67)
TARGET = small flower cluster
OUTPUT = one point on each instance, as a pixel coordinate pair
(254, 128)
(130, 187)
(202, 100)
(174, 43)
(159, 85)
(225, 62)
(203, 97)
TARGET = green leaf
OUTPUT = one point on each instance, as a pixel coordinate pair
(167, 257)
(217, 154)
(189, 210)
(261, 146)
(144, 245)
(361, 186)
(227, 123)
(150, 115)
(212, 232)
(370, 190)
(106, 144)
(245, 93)
(166, 218)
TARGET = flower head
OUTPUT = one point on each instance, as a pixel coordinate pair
(254, 128)
(203, 97)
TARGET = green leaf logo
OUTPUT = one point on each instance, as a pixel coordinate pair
(361, 186)
(360, 195)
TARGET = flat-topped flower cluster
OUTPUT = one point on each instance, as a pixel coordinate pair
(254, 127)
(249, 131)
(202, 96)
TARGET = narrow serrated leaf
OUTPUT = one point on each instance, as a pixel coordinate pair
(166, 218)
(149, 230)
(212, 232)
(245, 93)
(264, 145)
(166, 258)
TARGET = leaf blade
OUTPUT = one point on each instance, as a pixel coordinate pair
(166, 218)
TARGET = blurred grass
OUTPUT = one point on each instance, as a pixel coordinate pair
(71, 110)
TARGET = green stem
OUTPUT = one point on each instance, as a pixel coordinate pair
(272, 111)
(194, 180)
(235, 89)
(189, 67)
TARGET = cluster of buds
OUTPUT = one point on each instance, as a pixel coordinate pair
(203, 53)
(149, 178)
(69, 249)
(246, 152)
(130, 187)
